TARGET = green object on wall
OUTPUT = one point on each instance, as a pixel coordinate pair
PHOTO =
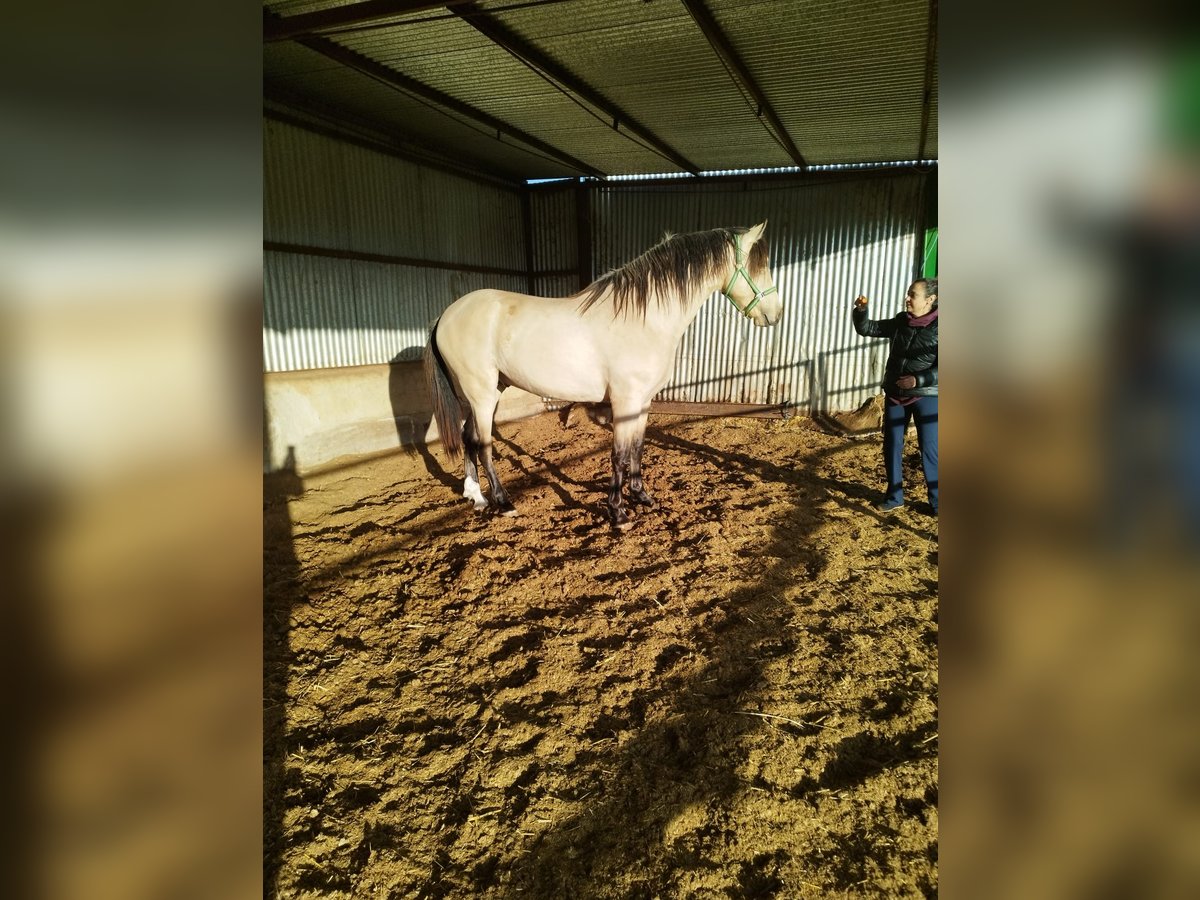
(1181, 106)
(930, 269)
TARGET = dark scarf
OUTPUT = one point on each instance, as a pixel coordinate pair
(922, 321)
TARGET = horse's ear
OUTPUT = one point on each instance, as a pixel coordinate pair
(754, 235)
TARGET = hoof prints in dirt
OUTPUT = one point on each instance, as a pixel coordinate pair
(737, 699)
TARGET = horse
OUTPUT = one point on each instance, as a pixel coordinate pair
(614, 343)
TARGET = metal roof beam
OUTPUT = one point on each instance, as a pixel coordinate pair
(740, 74)
(392, 78)
(323, 119)
(276, 28)
(503, 37)
(930, 65)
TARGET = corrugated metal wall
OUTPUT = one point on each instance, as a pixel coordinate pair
(319, 192)
(555, 242)
(830, 240)
(321, 312)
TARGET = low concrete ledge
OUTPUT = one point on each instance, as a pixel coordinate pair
(315, 416)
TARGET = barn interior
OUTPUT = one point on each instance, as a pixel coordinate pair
(415, 151)
(735, 698)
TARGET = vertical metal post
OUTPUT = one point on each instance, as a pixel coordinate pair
(583, 233)
(527, 228)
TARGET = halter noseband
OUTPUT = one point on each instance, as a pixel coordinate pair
(740, 269)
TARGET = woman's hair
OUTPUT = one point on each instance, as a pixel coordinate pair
(930, 286)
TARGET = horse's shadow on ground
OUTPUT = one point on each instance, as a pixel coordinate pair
(679, 761)
(532, 464)
(558, 476)
(435, 468)
(530, 467)
(676, 760)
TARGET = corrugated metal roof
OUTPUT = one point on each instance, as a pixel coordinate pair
(846, 81)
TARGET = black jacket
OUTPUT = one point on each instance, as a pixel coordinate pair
(914, 351)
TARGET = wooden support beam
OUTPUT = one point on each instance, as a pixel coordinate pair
(709, 410)
(741, 75)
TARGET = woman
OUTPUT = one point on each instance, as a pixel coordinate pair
(910, 383)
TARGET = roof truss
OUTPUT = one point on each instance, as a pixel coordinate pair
(670, 140)
(742, 77)
(292, 27)
(504, 37)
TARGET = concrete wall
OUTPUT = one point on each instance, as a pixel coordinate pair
(316, 417)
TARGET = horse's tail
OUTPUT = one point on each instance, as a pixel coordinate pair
(446, 408)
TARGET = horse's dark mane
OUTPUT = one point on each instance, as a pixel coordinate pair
(678, 266)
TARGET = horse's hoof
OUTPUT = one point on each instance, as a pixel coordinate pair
(506, 509)
(623, 526)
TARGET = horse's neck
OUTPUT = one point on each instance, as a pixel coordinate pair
(679, 312)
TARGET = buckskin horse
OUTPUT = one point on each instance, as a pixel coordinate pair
(614, 343)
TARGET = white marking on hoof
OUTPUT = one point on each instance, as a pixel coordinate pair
(472, 492)
(509, 513)
(625, 526)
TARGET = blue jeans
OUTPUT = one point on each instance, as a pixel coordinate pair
(895, 422)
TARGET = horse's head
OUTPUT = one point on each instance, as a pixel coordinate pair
(751, 286)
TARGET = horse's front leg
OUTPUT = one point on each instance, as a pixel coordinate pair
(616, 506)
(629, 427)
(637, 490)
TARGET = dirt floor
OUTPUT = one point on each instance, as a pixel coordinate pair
(735, 699)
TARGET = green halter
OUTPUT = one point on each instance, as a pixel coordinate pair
(740, 269)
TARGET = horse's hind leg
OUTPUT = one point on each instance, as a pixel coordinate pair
(484, 415)
(471, 487)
